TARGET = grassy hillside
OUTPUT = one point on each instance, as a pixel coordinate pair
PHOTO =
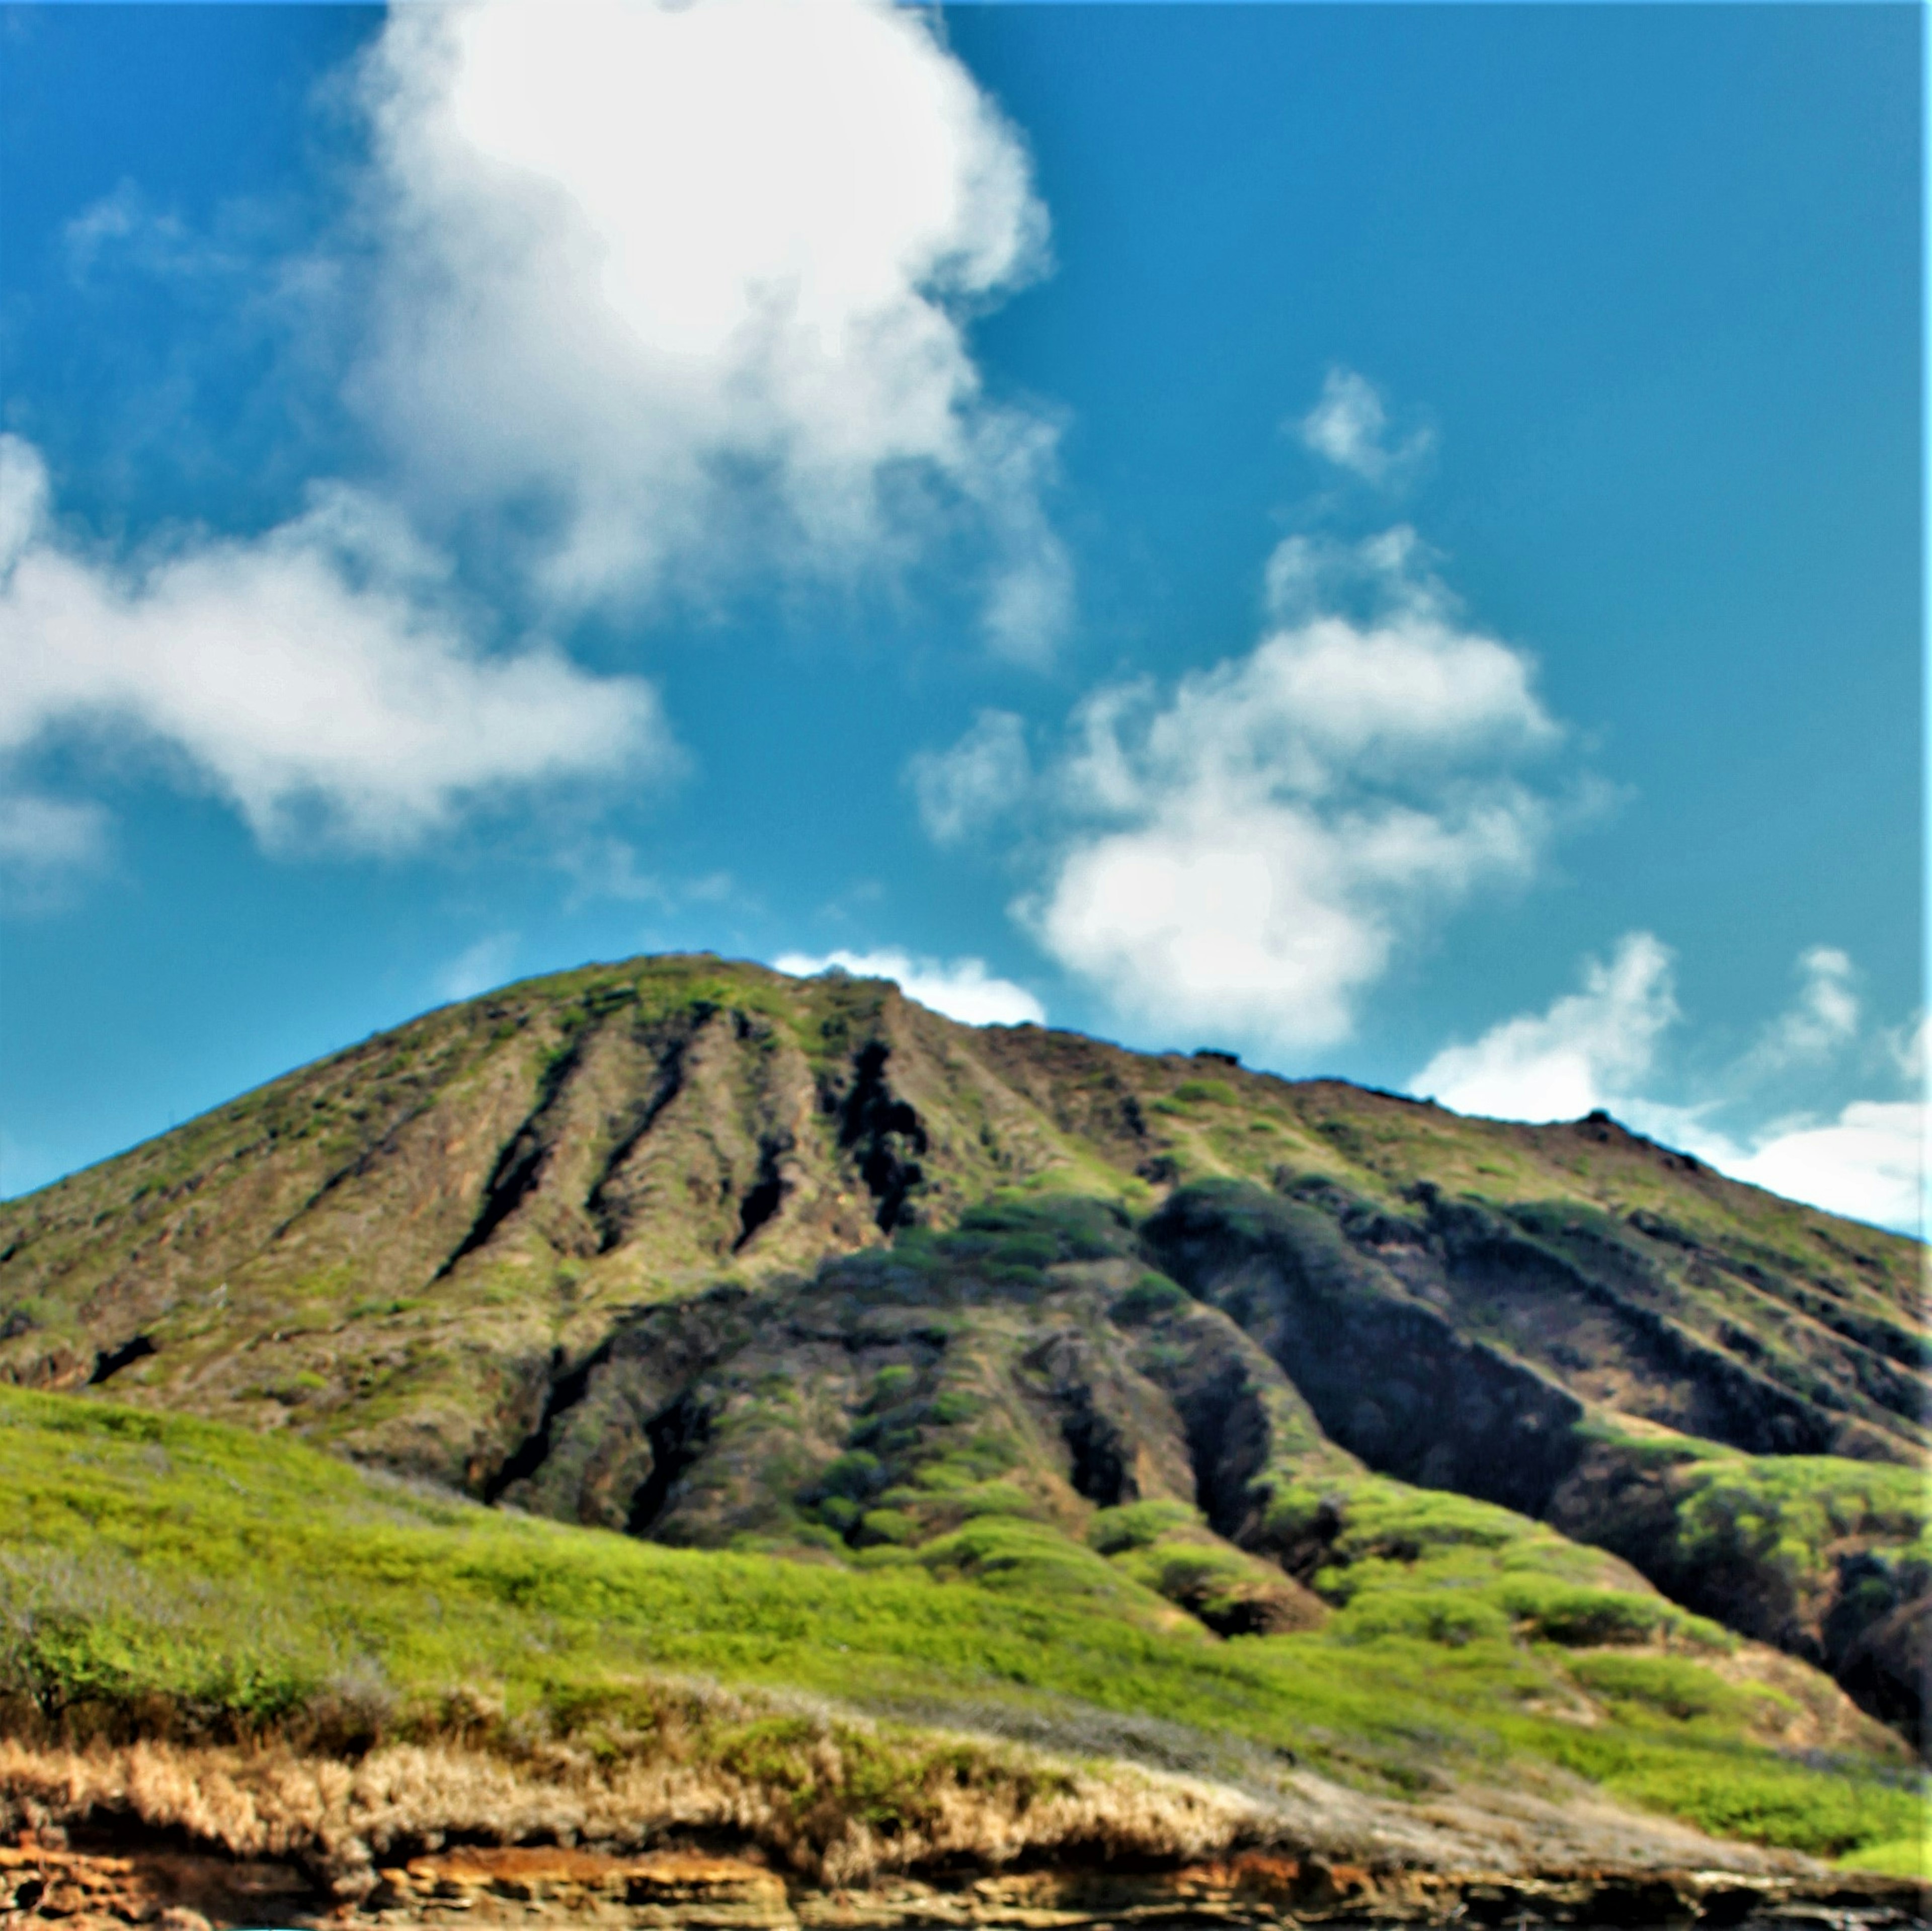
(167, 1577)
(729, 1262)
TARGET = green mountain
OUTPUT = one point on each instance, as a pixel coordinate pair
(1538, 1444)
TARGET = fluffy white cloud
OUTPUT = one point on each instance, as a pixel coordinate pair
(1349, 426)
(1598, 1048)
(320, 677)
(1246, 851)
(1868, 1162)
(670, 276)
(962, 989)
(1587, 1049)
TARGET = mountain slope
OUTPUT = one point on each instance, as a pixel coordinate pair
(254, 1647)
(693, 1250)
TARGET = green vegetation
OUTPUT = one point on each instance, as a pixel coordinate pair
(1447, 1566)
(1904, 1857)
(159, 1575)
(918, 1345)
(1786, 1512)
(1212, 1092)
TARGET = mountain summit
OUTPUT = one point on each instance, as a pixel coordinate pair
(692, 1250)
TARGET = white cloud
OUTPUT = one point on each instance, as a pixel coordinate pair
(1349, 426)
(1598, 1048)
(45, 843)
(320, 677)
(965, 789)
(478, 968)
(124, 228)
(679, 278)
(1587, 1050)
(1823, 1018)
(43, 835)
(1906, 1047)
(1868, 1162)
(1248, 852)
(962, 989)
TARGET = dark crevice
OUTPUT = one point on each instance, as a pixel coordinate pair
(111, 1361)
(364, 1163)
(1100, 1470)
(886, 1133)
(677, 1435)
(531, 1453)
(520, 1166)
(766, 1193)
(608, 1214)
(1100, 1455)
(1221, 1498)
(519, 1169)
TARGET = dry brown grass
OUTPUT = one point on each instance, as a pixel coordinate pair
(838, 1801)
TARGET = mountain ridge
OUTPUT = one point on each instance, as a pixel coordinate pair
(694, 1250)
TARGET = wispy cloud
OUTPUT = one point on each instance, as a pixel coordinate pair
(962, 989)
(1819, 1023)
(609, 869)
(321, 677)
(124, 227)
(711, 266)
(479, 967)
(1598, 1047)
(45, 844)
(963, 789)
(1349, 426)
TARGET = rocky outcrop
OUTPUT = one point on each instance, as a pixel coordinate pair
(544, 1885)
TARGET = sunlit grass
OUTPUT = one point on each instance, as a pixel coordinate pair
(159, 1571)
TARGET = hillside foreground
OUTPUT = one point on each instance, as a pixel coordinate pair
(686, 1442)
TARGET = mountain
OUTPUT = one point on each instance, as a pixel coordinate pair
(721, 1259)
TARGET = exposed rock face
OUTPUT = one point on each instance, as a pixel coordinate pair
(651, 1247)
(547, 1885)
(184, 1838)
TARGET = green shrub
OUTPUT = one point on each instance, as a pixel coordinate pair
(1586, 1618)
(855, 1475)
(1205, 1092)
(1152, 1295)
(1436, 1616)
(1682, 1690)
(892, 1384)
(1137, 1524)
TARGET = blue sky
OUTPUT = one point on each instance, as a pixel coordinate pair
(1385, 539)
